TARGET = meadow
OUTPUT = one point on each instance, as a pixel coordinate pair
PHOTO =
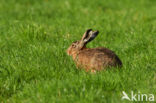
(34, 37)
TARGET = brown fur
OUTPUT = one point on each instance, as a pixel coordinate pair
(92, 59)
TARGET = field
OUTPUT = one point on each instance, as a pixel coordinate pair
(34, 37)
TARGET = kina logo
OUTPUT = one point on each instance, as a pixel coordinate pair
(137, 96)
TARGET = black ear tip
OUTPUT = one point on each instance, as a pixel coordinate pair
(96, 32)
(88, 30)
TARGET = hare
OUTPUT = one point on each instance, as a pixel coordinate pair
(92, 59)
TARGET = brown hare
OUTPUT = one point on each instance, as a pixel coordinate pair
(92, 59)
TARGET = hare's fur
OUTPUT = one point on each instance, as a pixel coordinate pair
(92, 59)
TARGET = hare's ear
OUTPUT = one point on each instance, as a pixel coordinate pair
(85, 35)
(88, 36)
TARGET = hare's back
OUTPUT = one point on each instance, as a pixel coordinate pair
(98, 57)
(97, 51)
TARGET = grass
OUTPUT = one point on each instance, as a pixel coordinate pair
(34, 35)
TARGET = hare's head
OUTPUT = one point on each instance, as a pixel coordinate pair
(76, 46)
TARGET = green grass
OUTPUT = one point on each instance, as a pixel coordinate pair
(34, 36)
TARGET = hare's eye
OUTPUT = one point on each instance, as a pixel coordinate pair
(73, 45)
